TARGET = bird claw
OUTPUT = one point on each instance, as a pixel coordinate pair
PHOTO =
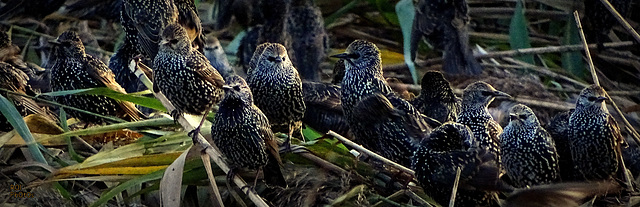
(194, 133)
(175, 114)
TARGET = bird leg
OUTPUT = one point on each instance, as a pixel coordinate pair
(175, 114)
(194, 133)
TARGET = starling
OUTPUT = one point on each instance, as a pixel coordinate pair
(363, 79)
(435, 163)
(189, 20)
(149, 17)
(558, 129)
(253, 63)
(9, 53)
(216, 56)
(390, 126)
(74, 69)
(324, 108)
(277, 88)
(528, 152)
(15, 80)
(119, 62)
(594, 136)
(241, 132)
(602, 20)
(184, 75)
(436, 99)
(338, 72)
(444, 24)
(475, 115)
(309, 39)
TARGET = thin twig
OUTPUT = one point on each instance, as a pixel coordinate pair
(592, 68)
(370, 153)
(621, 20)
(454, 191)
(213, 153)
(417, 198)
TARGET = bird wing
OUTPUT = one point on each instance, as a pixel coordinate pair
(199, 63)
(323, 94)
(265, 133)
(100, 72)
(414, 121)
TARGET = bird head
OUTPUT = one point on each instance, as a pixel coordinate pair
(434, 85)
(480, 94)
(174, 38)
(236, 90)
(253, 63)
(362, 55)
(592, 98)
(68, 44)
(452, 136)
(274, 57)
(521, 115)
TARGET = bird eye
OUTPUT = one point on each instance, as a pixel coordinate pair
(591, 98)
(523, 116)
(271, 58)
(486, 93)
(237, 88)
(174, 41)
(354, 56)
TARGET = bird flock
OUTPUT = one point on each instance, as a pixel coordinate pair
(436, 134)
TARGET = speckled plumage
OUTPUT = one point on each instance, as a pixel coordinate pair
(15, 80)
(436, 99)
(119, 62)
(73, 69)
(444, 24)
(594, 136)
(150, 17)
(242, 133)
(188, 18)
(436, 160)
(558, 129)
(528, 152)
(216, 56)
(309, 39)
(184, 75)
(363, 78)
(324, 109)
(474, 114)
(277, 89)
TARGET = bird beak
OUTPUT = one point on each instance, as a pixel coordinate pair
(601, 98)
(226, 87)
(163, 42)
(500, 93)
(54, 42)
(279, 59)
(341, 55)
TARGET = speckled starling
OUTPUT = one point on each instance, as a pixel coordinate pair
(444, 24)
(277, 89)
(150, 17)
(119, 62)
(184, 75)
(324, 109)
(558, 129)
(189, 20)
(257, 54)
(474, 114)
(338, 72)
(363, 78)
(39, 78)
(528, 152)
(436, 99)
(216, 56)
(309, 39)
(241, 131)
(601, 20)
(435, 163)
(73, 69)
(594, 136)
(15, 80)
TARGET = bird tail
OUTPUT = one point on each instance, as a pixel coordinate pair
(458, 58)
(273, 173)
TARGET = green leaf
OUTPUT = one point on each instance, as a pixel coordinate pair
(136, 98)
(310, 134)
(15, 119)
(519, 33)
(572, 61)
(406, 13)
(65, 127)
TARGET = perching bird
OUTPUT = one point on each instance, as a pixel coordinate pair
(474, 114)
(73, 69)
(309, 39)
(257, 54)
(363, 79)
(242, 133)
(558, 128)
(189, 20)
(436, 99)
(15, 80)
(435, 163)
(324, 109)
(216, 56)
(39, 78)
(594, 136)
(602, 20)
(277, 89)
(528, 152)
(444, 24)
(184, 75)
(338, 72)
(150, 17)
(119, 62)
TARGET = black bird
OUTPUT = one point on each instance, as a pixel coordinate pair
(149, 17)
(324, 108)
(242, 133)
(436, 99)
(277, 89)
(15, 80)
(594, 136)
(257, 54)
(338, 72)
(74, 69)
(216, 56)
(444, 24)
(39, 78)
(602, 20)
(528, 152)
(119, 62)
(363, 79)
(558, 128)
(474, 114)
(309, 40)
(188, 18)
(184, 75)
(435, 163)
